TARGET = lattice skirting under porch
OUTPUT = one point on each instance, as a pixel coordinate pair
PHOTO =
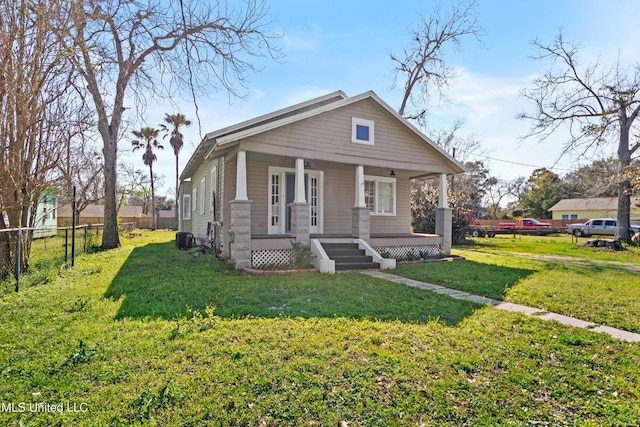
(271, 258)
(411, 252)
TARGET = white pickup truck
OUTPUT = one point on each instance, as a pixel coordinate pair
(599, 226)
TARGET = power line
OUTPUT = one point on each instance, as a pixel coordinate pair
(521, 164)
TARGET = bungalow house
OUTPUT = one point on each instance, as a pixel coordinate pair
(596, 207)
(332, 173)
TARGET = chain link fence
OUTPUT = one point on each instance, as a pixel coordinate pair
(32, 256)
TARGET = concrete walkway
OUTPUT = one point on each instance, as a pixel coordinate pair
(529, 311)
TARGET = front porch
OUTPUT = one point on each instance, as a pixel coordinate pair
(282, 201)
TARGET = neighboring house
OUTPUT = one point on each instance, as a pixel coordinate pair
(46, 219)
(327, 171)
(94, 214)
(597, 207)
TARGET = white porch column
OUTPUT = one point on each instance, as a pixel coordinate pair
(444, 221)
(241, 176)
(443, 202)
(359, 203)
(300, 212)
(360, 218)
(300, 196)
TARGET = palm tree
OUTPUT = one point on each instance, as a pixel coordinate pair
(176, 140)
(148, 140)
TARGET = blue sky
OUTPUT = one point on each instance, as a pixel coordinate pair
(330, 45)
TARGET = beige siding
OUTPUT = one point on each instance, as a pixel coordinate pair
(603, 213)
(229, 194)
(327, 136)
(258, 187)
(199, 220)
(339, 195)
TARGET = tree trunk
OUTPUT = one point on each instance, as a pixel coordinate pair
(623, 229)
(110, 237)
(153, 199)
(177, 205)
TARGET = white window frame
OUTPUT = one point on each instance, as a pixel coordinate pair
(280, 227)
(194, 206)
(203, 192)
(186, 207)
(375, 208)
(355, 121)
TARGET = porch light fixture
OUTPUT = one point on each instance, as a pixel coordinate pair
(393, 173)
(307, 164)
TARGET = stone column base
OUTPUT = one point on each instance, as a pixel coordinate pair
(240, 225)
(361, 223)
(444, 222)
(300, 222)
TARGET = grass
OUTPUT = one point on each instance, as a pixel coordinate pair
(148, 335)
(559, 245)
(48, 258)
(593, 287)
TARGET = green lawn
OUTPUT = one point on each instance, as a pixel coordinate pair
(561, 244)
(583, 282)
(148, 335)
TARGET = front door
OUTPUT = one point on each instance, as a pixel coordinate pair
(282, 184)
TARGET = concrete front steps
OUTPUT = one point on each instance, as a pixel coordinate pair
(348, 256)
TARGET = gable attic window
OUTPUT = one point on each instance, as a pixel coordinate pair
(362, 131)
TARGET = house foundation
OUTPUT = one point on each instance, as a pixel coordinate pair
(444, 222)
(300, 222)
(361, 223)
(240, 230)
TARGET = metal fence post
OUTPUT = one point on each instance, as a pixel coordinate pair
(73, 230)
(18, 256)
(66, 245)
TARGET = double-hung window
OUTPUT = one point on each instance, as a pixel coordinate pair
(380, 195)
(186, 207)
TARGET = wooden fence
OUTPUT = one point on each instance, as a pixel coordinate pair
(140, 222)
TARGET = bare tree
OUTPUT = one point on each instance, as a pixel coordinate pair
(498, 190)
(463, 147)
(82, 165)
(422, 70)
(132, 182)
(126, 50)
(596, 104)
(34, 115)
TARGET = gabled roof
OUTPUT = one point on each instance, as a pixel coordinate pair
(209, 141)
(224, 137)
(592, 204)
